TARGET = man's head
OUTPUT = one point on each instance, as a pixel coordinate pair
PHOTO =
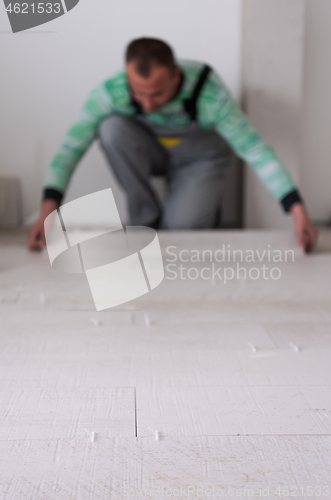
(152, 73)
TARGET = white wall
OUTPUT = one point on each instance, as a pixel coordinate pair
(273, 70)
(316, 114)
(48, 71)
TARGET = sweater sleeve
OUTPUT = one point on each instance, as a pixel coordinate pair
(76, 142)
(235, 127)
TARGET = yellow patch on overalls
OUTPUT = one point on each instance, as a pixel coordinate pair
(169, 142)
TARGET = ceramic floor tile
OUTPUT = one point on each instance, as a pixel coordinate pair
(221, 411)
(55, 414)
(111, 468)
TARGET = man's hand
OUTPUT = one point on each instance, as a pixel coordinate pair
(36, 240)
(306, 231)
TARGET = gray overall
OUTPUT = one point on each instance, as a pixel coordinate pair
(192, 160)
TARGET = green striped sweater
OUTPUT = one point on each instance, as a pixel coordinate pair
(216, 110)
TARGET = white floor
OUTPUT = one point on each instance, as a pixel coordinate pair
(202, 388)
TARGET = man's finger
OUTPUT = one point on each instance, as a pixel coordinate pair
(301, 237)
(35, 241)
(32, 237)
(310, 239)
(42, 238)
(312, 235)
(35, 245)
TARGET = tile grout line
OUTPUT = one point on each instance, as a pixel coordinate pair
(270, 336)
(135, 414)
(164, 387)
(181, 436)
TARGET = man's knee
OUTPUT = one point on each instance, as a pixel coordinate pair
(112, 128)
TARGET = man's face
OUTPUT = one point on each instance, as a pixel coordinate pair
(155, 90)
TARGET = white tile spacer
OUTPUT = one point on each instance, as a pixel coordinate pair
(156, 434)
(95, 322)
(147, 319)
(91, 435)
(294, 347)
(252, 347)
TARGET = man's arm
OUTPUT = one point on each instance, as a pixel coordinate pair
(77, 140)
(75, 144)
(235, 127)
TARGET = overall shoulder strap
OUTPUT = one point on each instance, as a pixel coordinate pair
(137, 107)
(191, 103)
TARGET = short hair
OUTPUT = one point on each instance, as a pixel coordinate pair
(149, 52)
